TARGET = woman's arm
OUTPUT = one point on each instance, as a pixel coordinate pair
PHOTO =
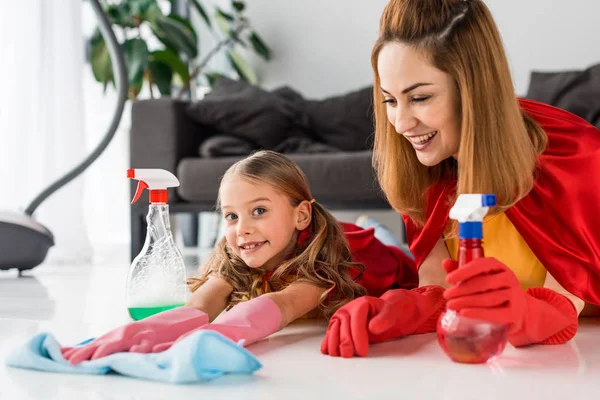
(431, 271)
(211, 297)
(583, 309)
(296, 300)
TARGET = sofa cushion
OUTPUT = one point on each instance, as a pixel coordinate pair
(246, 111)
(575, 91)
(333, 177)
(345, 121)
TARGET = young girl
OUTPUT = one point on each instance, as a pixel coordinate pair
(448, 122)
(283, 257)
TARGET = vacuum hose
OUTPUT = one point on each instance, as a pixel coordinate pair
(120, 73)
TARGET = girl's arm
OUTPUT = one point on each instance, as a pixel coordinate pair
(296, 300)
(211, 297)
(262, 316)
(431, 271)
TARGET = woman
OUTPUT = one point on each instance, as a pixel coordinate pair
(448, 122)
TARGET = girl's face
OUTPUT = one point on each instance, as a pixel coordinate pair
(261, 223)
(422, 102)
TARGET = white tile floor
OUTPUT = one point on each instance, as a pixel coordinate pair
(75, 303)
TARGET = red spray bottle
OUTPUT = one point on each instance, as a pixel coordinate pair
(466, 340)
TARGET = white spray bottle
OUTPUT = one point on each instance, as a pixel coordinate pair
(156, 278)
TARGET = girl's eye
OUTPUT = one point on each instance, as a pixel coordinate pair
(390, 101)
(230, 217)
(259, 211)
(420, 99)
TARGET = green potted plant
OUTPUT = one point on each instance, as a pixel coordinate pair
(175, 62)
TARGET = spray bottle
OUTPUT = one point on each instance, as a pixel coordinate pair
(156, 278)
(466, 340)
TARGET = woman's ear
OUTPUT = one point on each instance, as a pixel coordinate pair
(303, 215)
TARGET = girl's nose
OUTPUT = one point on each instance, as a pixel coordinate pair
(244, 227)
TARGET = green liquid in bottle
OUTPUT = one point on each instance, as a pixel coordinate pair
(138, 313)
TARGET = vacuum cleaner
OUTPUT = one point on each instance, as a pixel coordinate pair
(24, 242)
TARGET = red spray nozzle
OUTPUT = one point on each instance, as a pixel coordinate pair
(138, 192)
(156, 180)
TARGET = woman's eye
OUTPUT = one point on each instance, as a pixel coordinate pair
(420, 99)
(259, 211)
(230, 217)
(389, 101)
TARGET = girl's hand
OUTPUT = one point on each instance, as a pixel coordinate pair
(139, 336)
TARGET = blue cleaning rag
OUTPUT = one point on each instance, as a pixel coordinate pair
(199, 357)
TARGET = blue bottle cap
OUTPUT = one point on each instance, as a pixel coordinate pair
(470, 230)
(488, 200)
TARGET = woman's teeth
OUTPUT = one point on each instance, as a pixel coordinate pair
(423, 138)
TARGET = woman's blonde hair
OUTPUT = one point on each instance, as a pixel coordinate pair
(324, 259)
(499, 143)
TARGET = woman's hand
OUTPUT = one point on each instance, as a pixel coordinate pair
(487, 290)
(367, 319)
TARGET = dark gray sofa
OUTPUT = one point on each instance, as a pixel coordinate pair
(163, 135)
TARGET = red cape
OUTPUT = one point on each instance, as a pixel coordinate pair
(386, 267)
(559, 219)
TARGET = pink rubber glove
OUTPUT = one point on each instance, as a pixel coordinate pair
(249, 321)
(139, 336)
(488, 290)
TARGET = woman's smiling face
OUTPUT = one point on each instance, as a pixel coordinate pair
(422, 102)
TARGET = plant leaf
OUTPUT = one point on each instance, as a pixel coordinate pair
(170, 58)
(238, 5)
(202, 12)
(100, 60)
(175, 35)
(223, 23)
(135, 88)
(137, 57)
(187, 23)
(225, 15)
(140, 7)
(120, 14)
(259, 46)
(152, 13)
(242, 67)
(162, 75)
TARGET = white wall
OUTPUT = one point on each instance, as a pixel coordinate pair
(320, 47)
(548, 35)
(323, 47)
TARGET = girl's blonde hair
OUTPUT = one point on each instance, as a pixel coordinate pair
(499, 143)
(324, 260)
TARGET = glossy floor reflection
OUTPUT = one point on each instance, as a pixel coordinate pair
(75, 303)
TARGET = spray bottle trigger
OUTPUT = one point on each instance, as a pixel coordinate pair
(140, 189)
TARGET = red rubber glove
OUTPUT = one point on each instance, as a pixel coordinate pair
(488, 290)
(139, 336)
(396, 313)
